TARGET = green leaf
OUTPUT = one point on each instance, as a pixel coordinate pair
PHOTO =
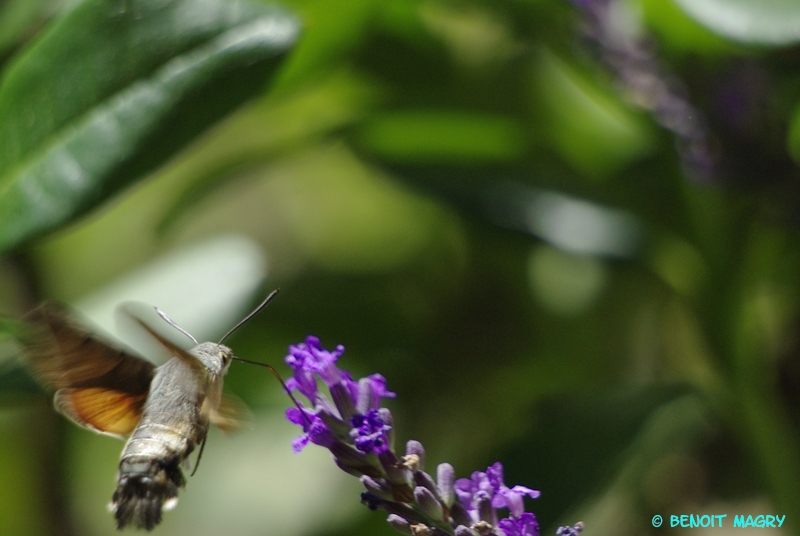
(338, 29)
(113, 90)
(767, 22)
(304, 117)
(20, 19)
(678, 32)
(589, 127)
(438, 135)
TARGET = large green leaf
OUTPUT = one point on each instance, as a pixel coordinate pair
(113, 90)
(769, 22)
(20, 19)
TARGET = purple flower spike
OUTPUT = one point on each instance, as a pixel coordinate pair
(346, 418)
(524, 525)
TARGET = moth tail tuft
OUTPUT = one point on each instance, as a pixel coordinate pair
(145, 488)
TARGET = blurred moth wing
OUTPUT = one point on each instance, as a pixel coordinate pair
(105, 411)
(98, 386)
(230, 416)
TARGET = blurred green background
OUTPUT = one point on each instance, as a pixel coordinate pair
(566, 233)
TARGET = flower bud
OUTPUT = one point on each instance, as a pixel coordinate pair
(376, 487)
(343, 401)
(484, 506)
(460, 514)
(396, 473)
(426, 481)
(463, 530)
(445, 477)
(415, 448)
(428, 503)
(399, 524)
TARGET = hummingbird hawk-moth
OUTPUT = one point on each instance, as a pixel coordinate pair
(164, 412)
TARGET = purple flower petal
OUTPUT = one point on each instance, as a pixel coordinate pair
(294, 416)
(513, 499)
(314, 429)
(309, 358)
(379, 389)
(491, 483)
(524, 525)
(494, 473)
(370, 391)
(320, 434)
(470, 490)
(350, 384)
(463, 489)
(299, 443)
(304, 382)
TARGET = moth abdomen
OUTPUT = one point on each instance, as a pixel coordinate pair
(145, 487)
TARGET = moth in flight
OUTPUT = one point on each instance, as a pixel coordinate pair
(164, 412)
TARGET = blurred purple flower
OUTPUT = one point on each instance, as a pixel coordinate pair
(647, 84)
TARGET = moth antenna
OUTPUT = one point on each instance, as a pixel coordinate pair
(280, 379)
(251, 315)
(172, 323)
